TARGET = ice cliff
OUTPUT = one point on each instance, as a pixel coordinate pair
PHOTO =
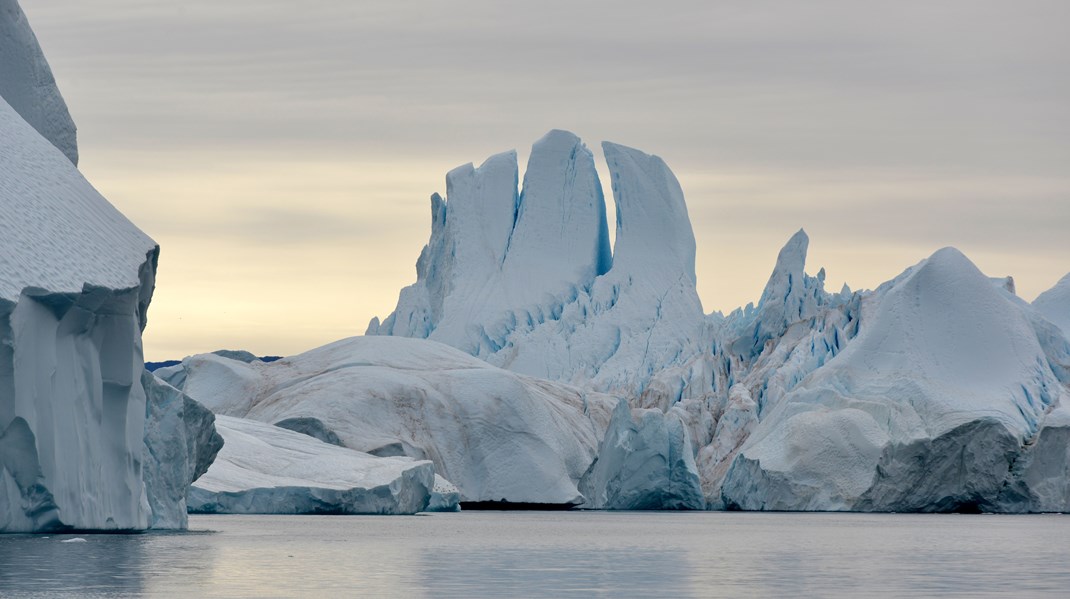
(85, 444)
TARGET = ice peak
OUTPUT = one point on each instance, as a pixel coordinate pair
(652, 221)
(790, 265)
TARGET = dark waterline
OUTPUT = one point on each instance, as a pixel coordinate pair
(559, 554)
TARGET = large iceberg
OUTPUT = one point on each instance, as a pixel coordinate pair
(929, 408)
(939, 391)
(526, 280)
(496, 435)
(265, 469)
(82, 446)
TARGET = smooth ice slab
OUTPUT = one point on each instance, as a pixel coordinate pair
(264, 469)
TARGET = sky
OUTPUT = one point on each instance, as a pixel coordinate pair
(283, 153)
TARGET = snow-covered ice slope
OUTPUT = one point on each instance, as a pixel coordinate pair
(264, 469)
(496, 435)
(526, 281)
(27, 84)
(927, 409)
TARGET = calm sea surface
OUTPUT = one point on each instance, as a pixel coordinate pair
(557, 554)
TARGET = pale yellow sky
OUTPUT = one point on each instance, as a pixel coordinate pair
(281, 257)
(283, 154)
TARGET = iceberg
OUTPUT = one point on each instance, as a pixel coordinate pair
(929, 408)
(496, 435)
(264, 469)
(86, 443)
(810, 399)
(527, 282)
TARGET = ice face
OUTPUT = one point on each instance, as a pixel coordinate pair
(181, 442)
(26, 82)
(644, 465)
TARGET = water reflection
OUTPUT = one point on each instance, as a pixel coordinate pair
(104, 565)
(559, 572)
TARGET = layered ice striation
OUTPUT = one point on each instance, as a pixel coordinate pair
(27, 84)
(264, 469)
(495, 435)
(526, 281)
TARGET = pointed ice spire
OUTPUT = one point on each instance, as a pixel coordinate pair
(788, 270)
(653, 229)
(561, 234)
(480, 212)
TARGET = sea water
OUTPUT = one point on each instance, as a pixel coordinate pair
(555, 554)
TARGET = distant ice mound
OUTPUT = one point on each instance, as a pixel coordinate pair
(496, 435)
(1054, 304)
(26, 82)
(264, 469)
(526, 281)
(929, 408)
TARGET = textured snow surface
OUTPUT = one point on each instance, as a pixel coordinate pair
(26, 82)
(264, 469)
(496, 435)
(56, 232)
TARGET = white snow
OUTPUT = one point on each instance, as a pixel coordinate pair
(26, 82)
(264, 469)
(496, 435)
